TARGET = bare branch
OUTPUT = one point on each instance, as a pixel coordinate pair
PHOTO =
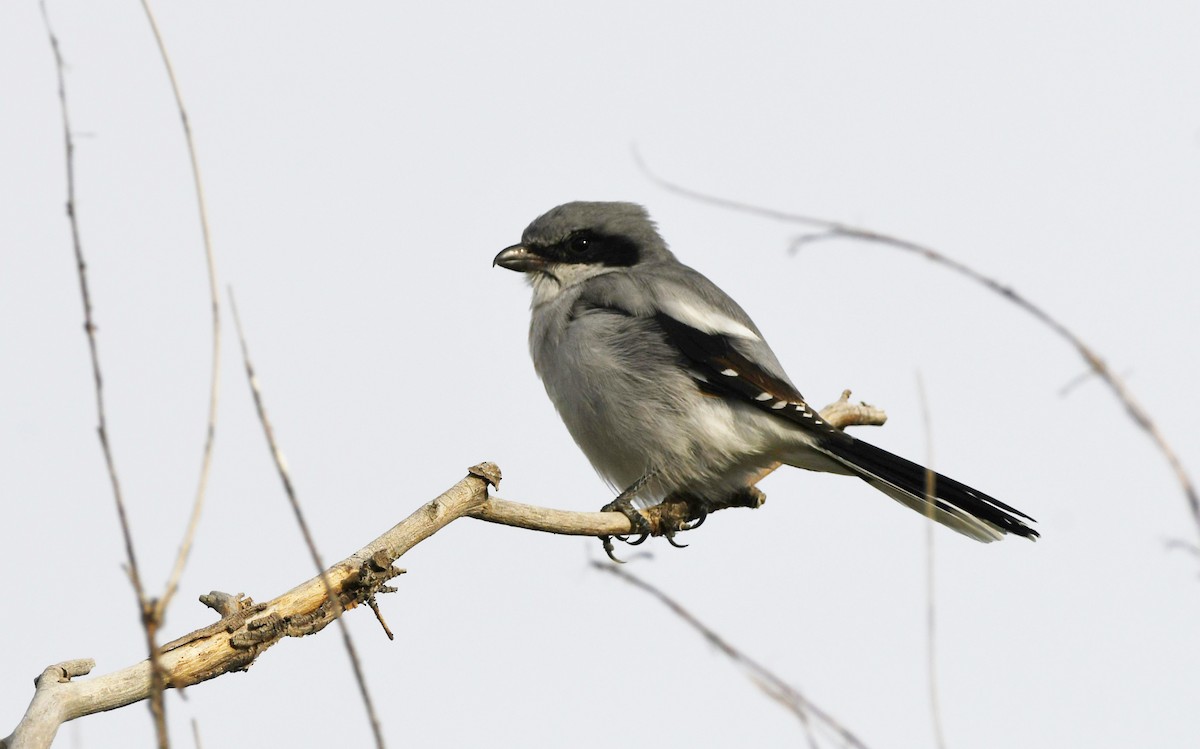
(155, 611)
(214, 390)
(842, 413)
(826, 229)
(775, 687)
(236, 641)
(247, 629)
(290, 490)
(146, 610)
(45, 712)
(89, 325)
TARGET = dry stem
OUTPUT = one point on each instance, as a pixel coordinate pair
(247, 629)
(214, 391)
(826, 229)
(765, 679)
(289, 489)
(147, 613)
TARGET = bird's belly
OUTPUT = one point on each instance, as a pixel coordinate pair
(696, 445)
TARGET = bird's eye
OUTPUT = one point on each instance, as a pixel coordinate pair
(579, 244)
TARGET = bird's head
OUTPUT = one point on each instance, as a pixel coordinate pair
(577, 241)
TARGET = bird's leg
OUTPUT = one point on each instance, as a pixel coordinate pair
(624, 505)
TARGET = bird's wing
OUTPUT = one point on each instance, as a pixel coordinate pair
(725, 349)
(729, 358)
(722, 367)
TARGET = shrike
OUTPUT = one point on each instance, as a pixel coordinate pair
(669, 388)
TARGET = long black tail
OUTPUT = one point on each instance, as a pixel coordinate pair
(956, 505)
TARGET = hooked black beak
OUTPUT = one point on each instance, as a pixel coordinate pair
(518, 258)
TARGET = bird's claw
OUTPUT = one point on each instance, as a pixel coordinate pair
(608, 549)
(692, 525)
(641, 539)
(669, 524)
(637, 521)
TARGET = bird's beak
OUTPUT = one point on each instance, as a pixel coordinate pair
(518, 258)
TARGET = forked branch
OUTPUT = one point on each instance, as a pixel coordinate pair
(246, 629)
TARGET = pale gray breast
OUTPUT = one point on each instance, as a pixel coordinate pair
(612, 378)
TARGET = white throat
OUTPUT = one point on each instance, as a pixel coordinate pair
(548, 284)
(545, 288)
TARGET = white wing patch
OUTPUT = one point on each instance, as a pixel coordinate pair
(707, 319)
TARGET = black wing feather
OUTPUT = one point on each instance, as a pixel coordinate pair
(728, 371)
(724, 370)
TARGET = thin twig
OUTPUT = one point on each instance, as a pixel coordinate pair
(379, 617)
(214, 391)
(1082, 378)
(834, 229)
(935, 704)
(1178, 544)
(89, 325)
(159, 606)
(775, 687)
(146, 612)
(289, 489)
(247, 629)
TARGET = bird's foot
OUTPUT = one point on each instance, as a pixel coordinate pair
(637, 521)
(692, 517)
(678, 513)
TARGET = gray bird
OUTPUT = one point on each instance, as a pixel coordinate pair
(670, 390)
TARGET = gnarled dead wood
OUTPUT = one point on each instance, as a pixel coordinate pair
(246, 629)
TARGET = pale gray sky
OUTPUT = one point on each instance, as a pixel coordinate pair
(365, 162)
